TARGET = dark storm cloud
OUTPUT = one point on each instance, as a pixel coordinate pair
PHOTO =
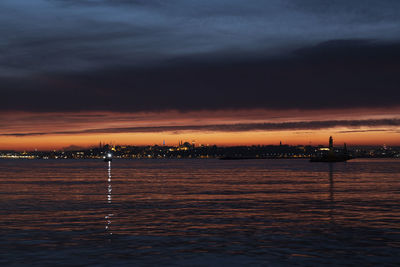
(188, 55)
(242, 127)
(336, 74)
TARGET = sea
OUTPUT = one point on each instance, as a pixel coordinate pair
(199, 212)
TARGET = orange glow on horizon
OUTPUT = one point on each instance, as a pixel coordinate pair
(49, 131)
(57, 142)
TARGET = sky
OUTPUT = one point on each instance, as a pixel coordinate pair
(77, 72)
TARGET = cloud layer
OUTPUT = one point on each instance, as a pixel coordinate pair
(340, 74)
(242, 127)
(129, 56)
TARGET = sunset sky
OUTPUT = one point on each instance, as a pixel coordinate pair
(77, 72)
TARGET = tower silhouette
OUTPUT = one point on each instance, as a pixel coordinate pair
(330, 142)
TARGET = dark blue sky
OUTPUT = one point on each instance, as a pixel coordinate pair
(69, 55)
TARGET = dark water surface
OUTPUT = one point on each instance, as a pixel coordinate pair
(199, 212)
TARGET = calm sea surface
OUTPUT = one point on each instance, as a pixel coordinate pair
(199, 212)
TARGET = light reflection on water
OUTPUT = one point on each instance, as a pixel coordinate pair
(109, 216)
(204, 212)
